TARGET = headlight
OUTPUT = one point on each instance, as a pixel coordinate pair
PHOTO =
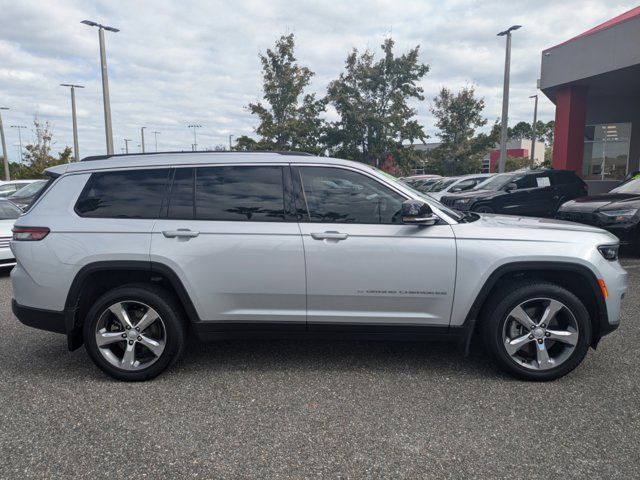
(620, 215)
(609, 252)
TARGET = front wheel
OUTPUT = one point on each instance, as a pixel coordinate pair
(484, 209)
(134, 332)
(537, 330)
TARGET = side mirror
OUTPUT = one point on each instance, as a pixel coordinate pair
(510, 187)
(417, 212)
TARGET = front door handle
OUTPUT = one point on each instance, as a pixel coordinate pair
(329, 236)
(180, 233)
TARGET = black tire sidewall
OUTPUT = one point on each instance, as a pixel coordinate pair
(161, 302)
(513, 296)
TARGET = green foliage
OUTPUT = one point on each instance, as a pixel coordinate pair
(287, 122)
(371, 98)
(458, 116)
(544, 131)
(516, 163)
(37, 156)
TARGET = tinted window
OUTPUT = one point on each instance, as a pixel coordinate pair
(240, 193)
(181, 195)
(526, 181)
(123, 194)
(338, 195)
(8, 210)
(560, 178)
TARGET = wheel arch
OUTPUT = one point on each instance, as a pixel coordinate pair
(93, 279)
(576, 278)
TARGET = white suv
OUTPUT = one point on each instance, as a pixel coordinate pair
(127, 253)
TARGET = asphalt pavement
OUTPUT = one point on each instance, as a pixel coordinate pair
(317, 409)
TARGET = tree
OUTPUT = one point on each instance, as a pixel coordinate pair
(458, 117)
(287, 121)
(371, 98)
(37, 156)
(516, 163)
(544, 131)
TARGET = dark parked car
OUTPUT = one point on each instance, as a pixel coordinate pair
(616, 211)
(24, 197)
(536, 193)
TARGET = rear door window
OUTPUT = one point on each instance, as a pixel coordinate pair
(123, 194)
(240, 193)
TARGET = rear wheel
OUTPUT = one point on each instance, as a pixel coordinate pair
(134, 332)
(537, 331)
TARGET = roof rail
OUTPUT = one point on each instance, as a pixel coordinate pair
(118, 155)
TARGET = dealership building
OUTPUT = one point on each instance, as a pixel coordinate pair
(594, 81)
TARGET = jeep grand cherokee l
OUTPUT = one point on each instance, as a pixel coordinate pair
(127, 253)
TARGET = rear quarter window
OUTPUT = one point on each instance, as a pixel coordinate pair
(123, 194)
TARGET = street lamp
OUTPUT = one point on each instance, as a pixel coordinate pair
(105, 82)
(230, 141)
(155, 134)
(76, 150)
(505, 98)
(142, 135)
(533, 129)
(126, 145)
(19, 127)
(195, 138)
(5, 159)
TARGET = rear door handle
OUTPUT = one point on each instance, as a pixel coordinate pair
(180, 233)
(329, 236)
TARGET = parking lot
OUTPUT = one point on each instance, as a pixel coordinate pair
(291, 409)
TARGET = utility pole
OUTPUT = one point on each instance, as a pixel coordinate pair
(155, 134)
(195, 138)
(105, 81)
(533, 130)
(505, 98)
(126, 145)
(19, 127)
(142, 135)
(230, 142)
(5, 157)
(76, 150)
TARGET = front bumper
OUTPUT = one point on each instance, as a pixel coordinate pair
(48, 320)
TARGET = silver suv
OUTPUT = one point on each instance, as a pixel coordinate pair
(127, 253)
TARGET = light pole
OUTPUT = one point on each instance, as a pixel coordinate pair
(195, 138)
(155, 134)
(76, 150)
(126, 145)
(533, 130)
(230, 142)
(5, 159)
(505, 98)
(19, 127)
(142, 136)
(105, 82)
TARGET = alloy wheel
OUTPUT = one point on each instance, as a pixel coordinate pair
(130, 335)
(540, 333)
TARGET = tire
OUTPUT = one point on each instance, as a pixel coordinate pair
(483, 209)
(127, 354)
(545, 352)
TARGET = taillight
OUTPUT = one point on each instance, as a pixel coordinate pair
(29, 234)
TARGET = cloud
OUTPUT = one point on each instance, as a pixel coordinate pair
(176, 63)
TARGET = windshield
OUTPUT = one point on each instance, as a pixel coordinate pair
(442, 184)
(29, 190)
(629, 187)
(496, 182)
(9, 211)
(457, 216)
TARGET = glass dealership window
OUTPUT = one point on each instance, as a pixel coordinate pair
(606, 151)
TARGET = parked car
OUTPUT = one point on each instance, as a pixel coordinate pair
(536, 193)
(421, 182)
(25, 196)
(8, 215)
(617, 211)
(457, 184)
(12, 186)
(127, 253)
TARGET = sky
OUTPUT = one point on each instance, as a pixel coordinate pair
(176, 63)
